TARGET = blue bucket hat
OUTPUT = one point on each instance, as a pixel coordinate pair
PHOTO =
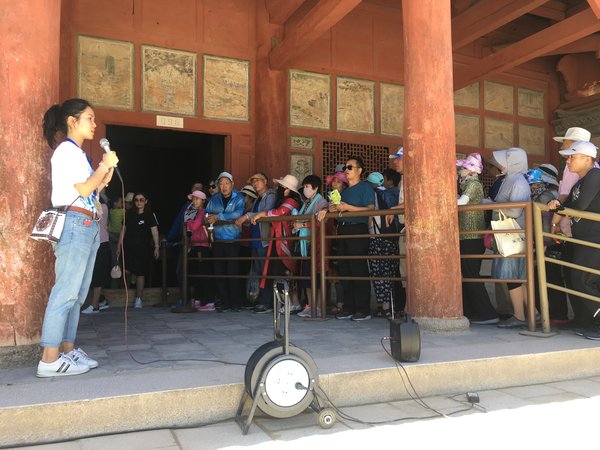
(534, 176)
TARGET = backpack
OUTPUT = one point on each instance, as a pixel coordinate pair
(393, 227)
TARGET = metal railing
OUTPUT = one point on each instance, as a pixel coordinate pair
(528, 255)
(540, 234)
(534, 235)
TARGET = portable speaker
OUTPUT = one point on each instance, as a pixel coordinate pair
(405, 340)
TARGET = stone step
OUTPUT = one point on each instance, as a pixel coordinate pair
(161, 398)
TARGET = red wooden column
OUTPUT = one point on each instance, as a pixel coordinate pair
(434, 289)
(29, 58)
(269, 104)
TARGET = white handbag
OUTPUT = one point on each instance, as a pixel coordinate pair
(116, 272)
(49, 225)
(508, 243)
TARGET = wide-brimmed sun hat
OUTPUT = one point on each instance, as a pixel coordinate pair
(472, 163)
(249, 191)
(288, 181)
(574, 134)
(198, 194)
(339, 175)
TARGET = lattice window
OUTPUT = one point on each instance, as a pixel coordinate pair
(376, 157)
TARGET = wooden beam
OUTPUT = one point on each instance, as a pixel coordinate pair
(587, 44)
(281, 10)
(486, 16)
(563, 33)
(553, 10)
(311, 27)
(595, 5)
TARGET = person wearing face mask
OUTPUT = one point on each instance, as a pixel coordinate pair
(476, 301)
(314, 203)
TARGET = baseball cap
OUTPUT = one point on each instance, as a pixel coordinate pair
(257, 175)
(581, 148)
(398, 154)
(226, 175)
(375, 178)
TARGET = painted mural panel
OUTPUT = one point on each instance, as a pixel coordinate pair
(467, 130)
(532, 139)
(531, 103)
(498, 97)
(392, 109)
(467, 96)
(310, 99)
(105, 73)
(499, 134)
(226, 88)
(168, 81)
(355, 105)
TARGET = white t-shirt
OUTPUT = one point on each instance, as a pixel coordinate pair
(70, 167)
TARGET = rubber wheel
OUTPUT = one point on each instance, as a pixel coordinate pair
(327, 418)
(254, 359)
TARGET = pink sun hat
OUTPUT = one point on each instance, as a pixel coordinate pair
(339, 175)
(472, 162)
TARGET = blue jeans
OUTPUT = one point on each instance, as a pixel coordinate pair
(75, 257)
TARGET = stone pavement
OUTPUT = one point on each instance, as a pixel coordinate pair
(160, 370)
(553, 415)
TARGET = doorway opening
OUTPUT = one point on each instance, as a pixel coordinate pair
(164, 164)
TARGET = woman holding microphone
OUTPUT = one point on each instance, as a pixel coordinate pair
(75, 186)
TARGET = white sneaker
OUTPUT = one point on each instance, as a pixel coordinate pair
(306, 312)
(103, 305)
(62, 367)
(90, 310)
(138, 303)
(81, 357)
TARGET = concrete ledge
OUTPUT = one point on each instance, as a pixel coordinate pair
(442, 325)
(50, 422)
(19, 356)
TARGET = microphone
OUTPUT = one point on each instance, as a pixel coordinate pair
(106, 147)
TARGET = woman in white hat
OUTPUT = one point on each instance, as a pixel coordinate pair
(287, 200)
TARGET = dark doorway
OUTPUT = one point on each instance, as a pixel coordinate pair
(164, 164)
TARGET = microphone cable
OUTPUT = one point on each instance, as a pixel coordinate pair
(121, 248)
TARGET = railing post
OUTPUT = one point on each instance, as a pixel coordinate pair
(184, 267)
(313, 269)
(530, 267)
(541, 266)
(323, 266)
(163, 255)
